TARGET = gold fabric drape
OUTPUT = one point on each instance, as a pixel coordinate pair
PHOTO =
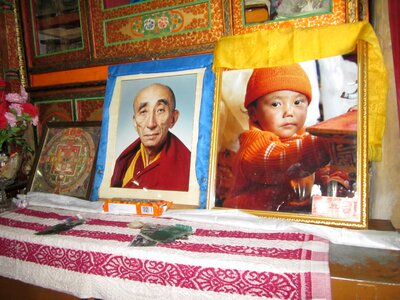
(270, 48)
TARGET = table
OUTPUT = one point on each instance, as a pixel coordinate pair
(365, 273)
(216, 262)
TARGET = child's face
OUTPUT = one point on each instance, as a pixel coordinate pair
(281, 112)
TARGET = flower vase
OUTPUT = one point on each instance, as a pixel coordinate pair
(9, 167)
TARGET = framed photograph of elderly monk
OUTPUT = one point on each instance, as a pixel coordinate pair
(154, 115)
(65, 162)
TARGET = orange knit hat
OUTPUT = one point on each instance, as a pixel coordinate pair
(267, 80)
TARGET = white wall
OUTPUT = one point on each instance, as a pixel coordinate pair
(385, 184)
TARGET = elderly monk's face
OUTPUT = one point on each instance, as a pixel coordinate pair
(154, 115)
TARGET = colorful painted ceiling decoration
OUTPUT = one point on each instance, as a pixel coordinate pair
(163, 28)
(159, 23)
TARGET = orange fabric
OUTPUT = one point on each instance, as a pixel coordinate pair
(129, 175)
(131, 170)
(70, 76)
(284, 46)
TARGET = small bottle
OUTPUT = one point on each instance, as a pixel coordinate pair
(3, 159)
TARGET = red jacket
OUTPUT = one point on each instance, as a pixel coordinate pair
(169, 172)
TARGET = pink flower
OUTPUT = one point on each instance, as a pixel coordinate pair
(15, 115)
(14, 98)
(11, 119)
(17, 108)
(35, 120)
(17, 98)
(163, 22)
(24, 94)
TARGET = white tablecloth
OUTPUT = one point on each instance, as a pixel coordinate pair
(218, 261)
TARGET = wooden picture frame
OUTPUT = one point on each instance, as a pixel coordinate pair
(63, 31)
(192, 81)
(254, 17)
(272, 54)
(65, 161)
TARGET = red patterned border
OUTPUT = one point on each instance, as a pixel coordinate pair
(227, 280)
(183, 245)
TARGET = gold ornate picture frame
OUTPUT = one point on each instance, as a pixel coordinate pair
(284, 47)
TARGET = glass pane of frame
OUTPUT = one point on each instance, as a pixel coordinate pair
(318, 172)
(57, 26)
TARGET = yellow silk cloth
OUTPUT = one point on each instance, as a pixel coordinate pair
(268, 48)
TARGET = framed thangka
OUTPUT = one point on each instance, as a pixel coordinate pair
(64, 163)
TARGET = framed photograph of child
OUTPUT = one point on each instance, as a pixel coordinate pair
(290, 125)
(151, 127)
(284, 140)
(66, 158)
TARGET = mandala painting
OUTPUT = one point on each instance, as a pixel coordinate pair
(66, 159)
